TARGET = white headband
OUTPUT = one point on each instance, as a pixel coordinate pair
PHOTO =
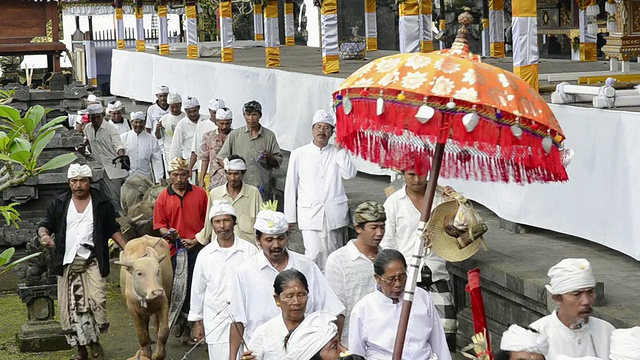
(174, 98)
(224, 114)
(138, 115)
(321, 116)
(234, 165)
(77, 170)
(271, 222)
(221, 207)
(313, 333)
(519, 339)
(162, 89)
(95, 109)
(570, 275)
(216, 104)
(116, 106)
(190, 102)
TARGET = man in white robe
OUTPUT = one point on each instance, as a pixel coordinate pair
(203, 127)
(213, 278)
(158, 109)
(625, 344)
(186, 129)
(520, 343)
(143, 150)
(251, 304)
(403, 209)
(314, 195)
(166, 127)
(571, 329)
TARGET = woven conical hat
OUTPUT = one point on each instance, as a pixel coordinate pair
(442, 243)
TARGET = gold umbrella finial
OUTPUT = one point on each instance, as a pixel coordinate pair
(465, 19)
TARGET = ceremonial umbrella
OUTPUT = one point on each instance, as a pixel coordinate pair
(447, 113)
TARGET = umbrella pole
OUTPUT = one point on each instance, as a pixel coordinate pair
(416, 259)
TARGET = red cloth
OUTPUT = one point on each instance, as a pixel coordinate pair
(185, 214)
(477, 306)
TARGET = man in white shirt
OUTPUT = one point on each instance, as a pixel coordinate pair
(114, 110)
(403, 215)
(203, 128)
(143, 150)
(314, 195)
(243, 197)
(213, 174)
(519, 343)
(158, 109)
(78, 225)
(213, 277)
(252, 295)
(106, 147)
(349, 268)
(166, 127)
(185, 130)
(571, 329)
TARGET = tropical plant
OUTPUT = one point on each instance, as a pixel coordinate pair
(6, 96)
(8, 254)
(22, 142)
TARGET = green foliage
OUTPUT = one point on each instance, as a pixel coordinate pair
(6, 96)
(11, 215)
(22, 142)
(8, 254)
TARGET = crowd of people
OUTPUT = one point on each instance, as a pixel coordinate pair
(249, 296)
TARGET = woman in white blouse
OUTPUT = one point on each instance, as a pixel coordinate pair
(374, 319)
(291, 292)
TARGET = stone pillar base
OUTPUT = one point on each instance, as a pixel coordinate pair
(41, 336)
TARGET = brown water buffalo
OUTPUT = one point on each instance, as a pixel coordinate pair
(146, 279)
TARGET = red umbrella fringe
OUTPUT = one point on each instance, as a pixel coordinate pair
(489, 153)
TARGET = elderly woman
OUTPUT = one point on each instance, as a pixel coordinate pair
(374, 319)
(291, 292)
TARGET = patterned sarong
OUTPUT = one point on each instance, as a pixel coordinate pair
(82, 300)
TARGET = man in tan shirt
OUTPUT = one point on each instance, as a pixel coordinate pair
(244, 198)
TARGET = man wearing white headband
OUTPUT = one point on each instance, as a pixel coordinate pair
(212, 141)
(114, 110)
(185, 131)
(520, 343)
(254, 281)
(571, 329)
(81, 220)
(244, 198)
(158, 109)
(143, 149)
(258, 146)
(107, 148)
(166, 127)
(203, 127)
(178, 214)
(314, 195)
(213, 277)
(625, 344)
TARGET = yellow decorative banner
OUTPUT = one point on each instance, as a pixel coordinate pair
(163, 49)
(162, 11)
(192, 11)
(139, 12)
(331, 64)
(119, 13)
(271, 10)
(588, 52)
(496, 4)
(409, 7)
(329, 7)
(121, 45)
(227, 55)
(524, 8)
(528, 73)
(372, 44)
(273, 56)
(140, 45)
(485, 23)
(426, 46)
(497, 49)
(192, 51)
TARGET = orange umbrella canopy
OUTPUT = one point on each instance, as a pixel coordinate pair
(394, 110)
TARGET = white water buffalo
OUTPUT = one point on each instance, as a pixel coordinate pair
(146, 279)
